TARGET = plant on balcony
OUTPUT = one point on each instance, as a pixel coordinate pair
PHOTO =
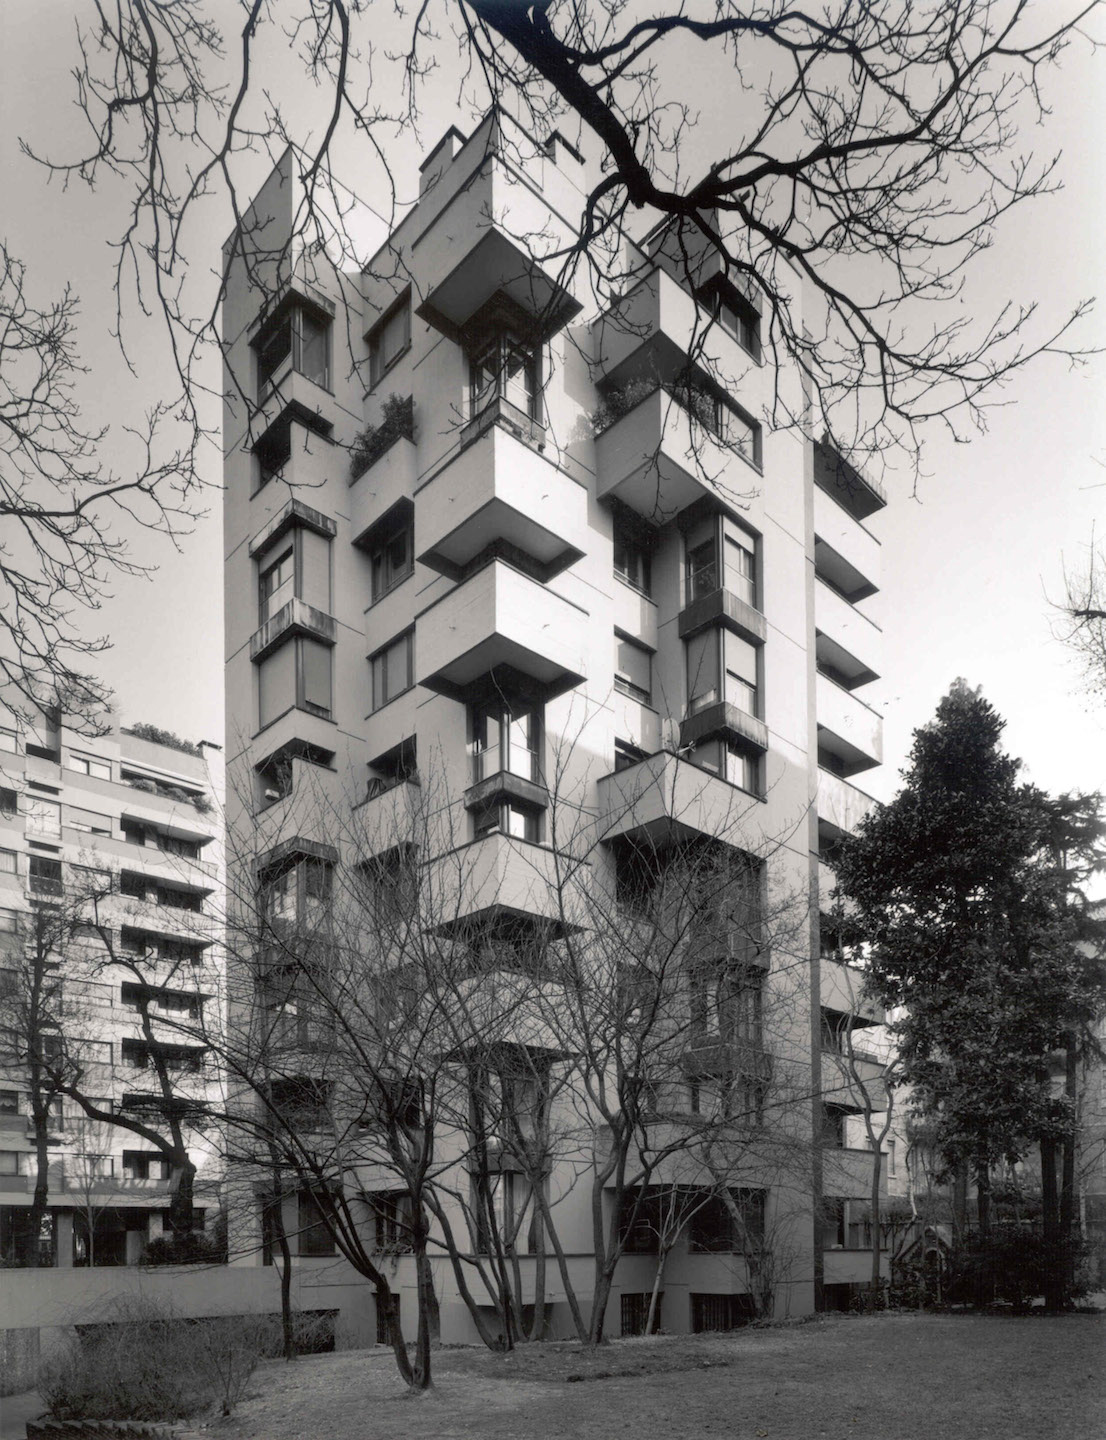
(619, 401)
(157, 736)
(397, 422)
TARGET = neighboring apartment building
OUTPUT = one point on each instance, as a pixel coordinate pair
(110, 894)
(482, 537)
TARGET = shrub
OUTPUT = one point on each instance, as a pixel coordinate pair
(141, 1361)
(191, 1249)
(397, 422)
(620, 401)
(157, 736)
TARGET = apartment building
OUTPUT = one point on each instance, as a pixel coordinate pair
(497, 555)
(110, 895)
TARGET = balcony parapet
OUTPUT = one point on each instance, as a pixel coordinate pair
(723, 607)
(724, 718)
(294, 618)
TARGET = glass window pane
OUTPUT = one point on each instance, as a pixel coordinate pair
(314, 337)
(702, 670)
(702, 569)
(276, 585)
(315, 663)
(521, 757)
(315, 563)
(740, 566)
(276, 684)
(633, 668)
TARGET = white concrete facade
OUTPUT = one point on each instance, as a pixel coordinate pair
(682, 598)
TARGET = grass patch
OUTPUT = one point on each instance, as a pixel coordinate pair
(890, 1377)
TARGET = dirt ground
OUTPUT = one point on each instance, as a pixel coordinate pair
(895, 1377)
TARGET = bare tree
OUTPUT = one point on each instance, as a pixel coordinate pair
(870, 154)
(71, 523)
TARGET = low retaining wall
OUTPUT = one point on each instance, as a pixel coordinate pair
(39, 1308)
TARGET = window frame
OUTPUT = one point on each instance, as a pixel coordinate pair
(382, 693)
(494, 355)
(506, 716)
(290, 322)
(379, 365)
(624, 681)
(380, 560)
(81, 764)
(637, 572)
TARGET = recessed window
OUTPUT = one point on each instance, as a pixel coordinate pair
(738, 318)
(392, 560)
(633, 668)
(627, 755)
(8, 740)
(506, 737)
(8, 864)
(393, 670)
(89, 822)
(43, 817)
(44, 876)
(299, 336)
(632, 555)
(299, 569)
(314, 1236)
(89, 765)
(9, 804)
(389, 339)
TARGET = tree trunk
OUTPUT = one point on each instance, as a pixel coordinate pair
(537, 1322)
(36, 1248)
(960, 1204)
(1067, 1170)
(985, 1293)
(562, 1268)
(650, 1318)
(387, 1304)
(287, 1329)
(876, 1213)
(426, 1302)
(1050, 1220)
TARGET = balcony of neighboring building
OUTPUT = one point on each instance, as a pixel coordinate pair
(658, 326)
(856, 493)
(498, 492)
(853, 1082)
(162, 856)
(848, 645)
(501, 621)
(664, 797)
(498, 234)
(850, 733)
(845, 553)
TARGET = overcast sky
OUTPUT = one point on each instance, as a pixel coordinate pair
(970, 563)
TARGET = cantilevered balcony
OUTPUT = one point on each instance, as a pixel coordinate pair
(842, 990)
(841, 805)
(501, 620)
(492, 238)
(376, 494)
(665, 798)
(492, 877)
(499, 492)
(847, 644)
(845, 553)
(849, 732)
(855, 1082)
(657, 328)
(657, 461)
(854, 491)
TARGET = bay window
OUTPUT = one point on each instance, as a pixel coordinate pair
(299, 335)
(504, 368)
(297, 567)
(297, 675)
(721, 666)
(720, 554)
(506, 737)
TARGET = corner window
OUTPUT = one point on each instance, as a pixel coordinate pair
(295, 676)
(720, 554)
(504, 368)
(275, 584)
(393, 670)
(717, 658)
(389, 339)
(506, 737)
(632, 555)
(297, 568)
(633, 668)
(299, 336)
